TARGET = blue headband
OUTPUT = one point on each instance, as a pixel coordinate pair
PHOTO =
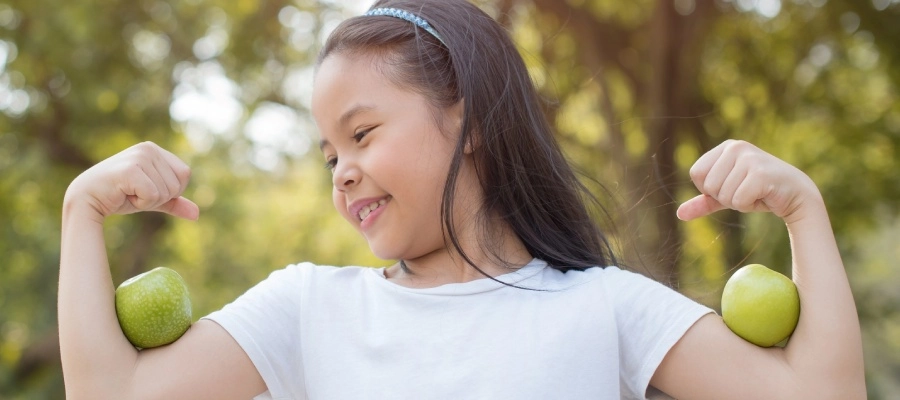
(406, 15)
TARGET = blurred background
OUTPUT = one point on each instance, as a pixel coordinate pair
(638, 90)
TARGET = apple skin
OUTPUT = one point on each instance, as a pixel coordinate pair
(153, 308)
(760, 305)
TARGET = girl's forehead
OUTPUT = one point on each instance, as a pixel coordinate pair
(350, 89)
(346, 74)
(346, 66)
(343, 81)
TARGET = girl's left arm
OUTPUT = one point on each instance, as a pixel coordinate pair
(824, 358)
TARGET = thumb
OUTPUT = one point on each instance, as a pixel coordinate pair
(181, 207)
(699, 206)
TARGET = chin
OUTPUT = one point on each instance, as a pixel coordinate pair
(383, 251)
(386, 255)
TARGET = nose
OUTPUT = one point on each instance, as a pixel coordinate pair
(346, 174)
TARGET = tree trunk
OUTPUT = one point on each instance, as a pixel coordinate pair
(665, 83)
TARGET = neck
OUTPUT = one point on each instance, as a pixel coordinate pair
(490, 244)
(445, 266)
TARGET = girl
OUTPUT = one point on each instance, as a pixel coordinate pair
(442, 159)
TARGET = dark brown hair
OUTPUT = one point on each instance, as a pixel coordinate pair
(524, 175)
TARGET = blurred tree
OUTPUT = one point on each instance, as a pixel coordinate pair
(223, 84)
(639, 89)
(642, 88)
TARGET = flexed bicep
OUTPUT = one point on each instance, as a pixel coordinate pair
(711, 362)
(97, 359)
(824, 356)
(205, 363)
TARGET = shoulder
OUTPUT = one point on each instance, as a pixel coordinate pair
(615, 273)
(604, 287)
(295, 285)
(621, 289)
(310, 273)
(618, 279)
(298, 279)
(610, 276)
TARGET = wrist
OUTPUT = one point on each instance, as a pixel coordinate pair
(76, 209)
(811, 211)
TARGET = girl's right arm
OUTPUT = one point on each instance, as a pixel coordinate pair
(98, 361)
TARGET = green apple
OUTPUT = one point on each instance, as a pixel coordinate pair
(760, 305)
(154, 308)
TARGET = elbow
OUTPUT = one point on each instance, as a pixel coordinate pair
(851, 391)
(835, 394)
(86, 387)
(839, 389)
(831, 378)
(88, 393)
(860, 393)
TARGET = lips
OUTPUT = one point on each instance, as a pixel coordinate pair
(363, 207)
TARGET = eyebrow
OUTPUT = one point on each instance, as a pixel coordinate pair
(346, 116)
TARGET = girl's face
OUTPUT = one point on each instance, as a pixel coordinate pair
(388, 158)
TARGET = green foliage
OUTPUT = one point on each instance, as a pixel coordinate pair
(88, 79)
(641, 93)
(815, 83)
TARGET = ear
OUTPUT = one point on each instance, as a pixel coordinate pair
(454, 115)
(470, 147)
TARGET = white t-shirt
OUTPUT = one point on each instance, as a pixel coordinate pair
(317, 332)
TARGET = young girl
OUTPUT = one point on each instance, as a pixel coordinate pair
(505, 288)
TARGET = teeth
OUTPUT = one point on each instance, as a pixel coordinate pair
(366, 210)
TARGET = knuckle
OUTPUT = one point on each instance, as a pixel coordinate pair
(147, 200)
(176, 190)
(165, 193)
(695, 172)
(142, 156)
(744, 147)
(735, 147)
(698, 175)
(183, 172)
(741, 204)
(145, 147)
(154, 195)
(728, 145)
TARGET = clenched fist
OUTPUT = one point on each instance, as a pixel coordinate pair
(143, 177)
(739, 176)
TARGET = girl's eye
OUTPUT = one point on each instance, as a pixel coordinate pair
(358, 137)
(331, 164)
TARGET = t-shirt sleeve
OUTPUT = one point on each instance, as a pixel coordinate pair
(651, 318)
(265, 322)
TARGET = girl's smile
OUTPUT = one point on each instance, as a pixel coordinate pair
(368, 209)
(388, 156)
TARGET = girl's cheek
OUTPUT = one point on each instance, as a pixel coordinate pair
(340, 203)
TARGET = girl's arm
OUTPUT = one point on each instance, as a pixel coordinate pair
(823, 359)
(98, 361)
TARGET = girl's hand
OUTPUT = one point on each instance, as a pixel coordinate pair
(740, 176)
(144, 177)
